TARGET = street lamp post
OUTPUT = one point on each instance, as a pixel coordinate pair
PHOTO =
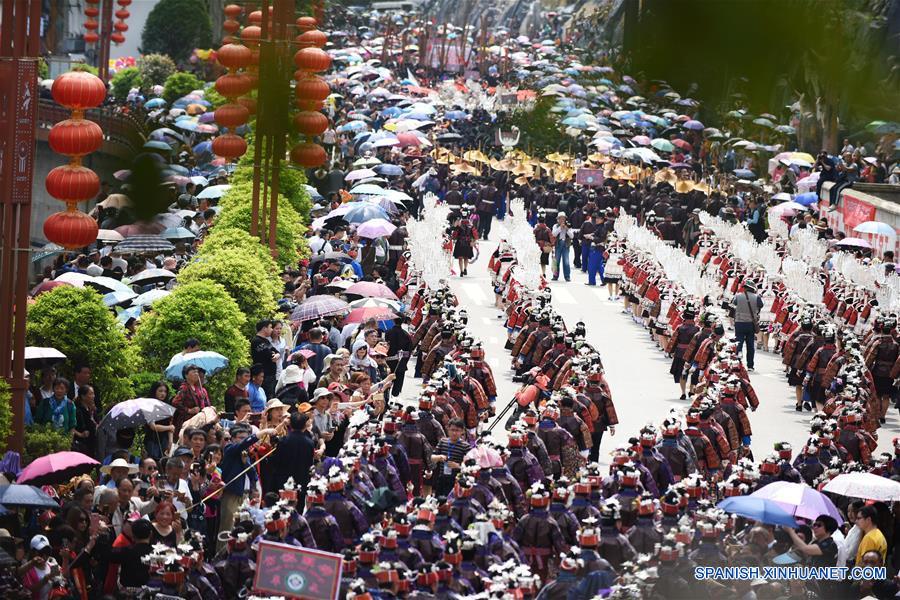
(19, 51)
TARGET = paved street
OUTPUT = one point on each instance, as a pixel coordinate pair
(637, 371)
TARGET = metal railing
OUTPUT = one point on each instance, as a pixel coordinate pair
(123, 134)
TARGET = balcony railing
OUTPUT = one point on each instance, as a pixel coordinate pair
(123, 133)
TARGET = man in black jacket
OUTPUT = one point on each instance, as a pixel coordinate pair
(263, 353)
(399, 348)
(294, 456)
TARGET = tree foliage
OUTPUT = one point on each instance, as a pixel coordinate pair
(155, 69)
(245, 275)
(77, 323)
(222, 238)
(180, 84)
(202, 310)
(123, 81)
(176, 27)
(290, 184)
(6, 411)
(41, 440)
(540, 130)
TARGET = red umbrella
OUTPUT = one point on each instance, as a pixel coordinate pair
(683, 145)
(371, 289)
(378, 313)
(57, 468)
(46, 286)
(408, 139)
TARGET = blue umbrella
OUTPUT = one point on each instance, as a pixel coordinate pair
(744, 173)
(157, 145)
(203, 148)
(455, 115)
(391, 112)
(313, 192)
(759, 509)
(365, 212)
(155, 103)
(806, 199)
(179, 170)
(25, 495)
(389, 170)
(353, 126)
(211, 362)
(129, 313)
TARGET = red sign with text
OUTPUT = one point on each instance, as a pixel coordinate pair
(855, 211)
(589, 177)
(283, 570)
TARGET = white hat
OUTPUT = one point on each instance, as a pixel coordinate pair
(119, 463)
(39, 542)
(321, 392)
(291, 374)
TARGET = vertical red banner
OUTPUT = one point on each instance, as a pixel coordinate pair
(855, 211)
(24, 116)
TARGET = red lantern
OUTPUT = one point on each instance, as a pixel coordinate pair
(91, 25)
(72, 183)
(231, 26)
(233, 85)
(248, 102)
(117, 37)
(91, 38)
(255, 17)
(234, 56)
(312, 39)
(310, 123)
(312, 88)
(92, 1)
(75, 137)
(120, 26)
(121, 14)
(312, 60)
(250, 35)
(229, 146)
(71, 229)
(123, 2)
(310, 105)
(306, 23)
(233, 11)
(308, 155)
(232, 115)
(92, 12)
(78, 90)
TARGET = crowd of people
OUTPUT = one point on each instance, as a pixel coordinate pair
(449, 491)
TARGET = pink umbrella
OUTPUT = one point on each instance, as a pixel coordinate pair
(371, 289)
(799, 499)
(358, 315)
(408, 139)
(207, 128)
(46, 286)
(56, 468)
(376, 228)
(854, 242)
(643, 140)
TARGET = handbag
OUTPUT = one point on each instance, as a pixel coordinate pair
(753, 314)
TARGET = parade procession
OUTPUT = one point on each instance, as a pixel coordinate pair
(449, 300)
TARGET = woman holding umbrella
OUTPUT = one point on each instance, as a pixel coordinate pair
(464, 236)
(192, 397)
(85, 432)
(158, 435)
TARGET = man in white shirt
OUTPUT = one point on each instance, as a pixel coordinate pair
(564, 236)
(318, 244)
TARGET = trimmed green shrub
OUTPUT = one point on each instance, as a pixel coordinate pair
(41, 440)
(123, 81)
(141, 381)
(180, 84)
(155, 69)
(247, 278)
(6, 411)
(203, 310)
(77, 323)
(221, 238)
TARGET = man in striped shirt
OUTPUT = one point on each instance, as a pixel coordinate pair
(448, 457)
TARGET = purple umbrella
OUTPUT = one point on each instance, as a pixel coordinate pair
(207, 117)
(376, 228)
(799, 499)
(319, 306)
(693, 125)
(854, 242)
(56, 468)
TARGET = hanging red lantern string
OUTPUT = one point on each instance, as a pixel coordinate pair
(91, 25)
(120, 26)
(233, 85)
(310, 91)
(74, 137)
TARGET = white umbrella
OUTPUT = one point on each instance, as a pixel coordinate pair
(215, 191)
(73, 278)
(109, 235)
(150, 297)
(875, 227)
(782, 196)
(360, 174)
(864, 485)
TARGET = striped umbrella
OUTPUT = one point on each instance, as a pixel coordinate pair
(141, 244)
(319, 306)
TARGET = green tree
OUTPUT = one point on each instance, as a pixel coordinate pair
(85, 67)
(214, 97)
(176, 27)
(124, 80)
(246, 276)
(180, 84)
(539, 129)
(203, 310)
(77, 323)
(6, 411)
(41, 440)
(222, 238)
(155, 69)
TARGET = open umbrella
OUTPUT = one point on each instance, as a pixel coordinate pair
(854, 242)
(37, 357)
(118, 298)
(46, 286)
(358, 174)
(377, 313)
(107, 284)
(148, 298)
(214, 191)
(141, 244)
(484, 456)
(152, 276)
(744, 173)
(26, 496)
(376, 228)
(394, 305)
(662, 145)
(758, 509)
(864, 485)
(371, 289)
(109, 235)
(360, 212)
(319, 306)
(210, 362)
(177, 234)
(135, 413)
(389, 170)
(693, 125)
(56, 468)
(876, 228)
(799, 500)
(806, 199)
